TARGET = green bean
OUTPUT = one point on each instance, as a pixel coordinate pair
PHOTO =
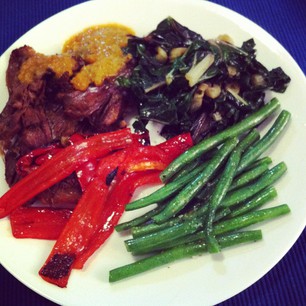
(152, 240)
(254, 197)
(242, 145)
(250, 218)
(219, 228)
(187, 169)
(184, 239)
(249, 176)
(138, 220)
(239, 237)
(180, 252)
(244, 185)
(222, 213)
(139, 231)
(195, 163)
(190, 191)
(248, 140)
(218, 195)
(261, 161)
(211, 142)
(142, 230)
(206, 192)
(260, 198)
(268, 178)
(266, 141)
(166, 191)
(255, 202)
(230, 225)
(239, 180)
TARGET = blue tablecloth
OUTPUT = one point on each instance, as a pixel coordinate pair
(286, 21)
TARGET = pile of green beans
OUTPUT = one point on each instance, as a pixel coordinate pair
(206, 202)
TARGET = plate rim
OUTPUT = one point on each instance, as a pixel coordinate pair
(209, 4)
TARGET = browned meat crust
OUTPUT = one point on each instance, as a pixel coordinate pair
(48, 109)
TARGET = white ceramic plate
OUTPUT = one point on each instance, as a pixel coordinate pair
(203, 280)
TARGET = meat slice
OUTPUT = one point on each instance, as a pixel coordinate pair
(17, 58)
(108, 115)
(48, 109)
(80, 104)
(21, 98)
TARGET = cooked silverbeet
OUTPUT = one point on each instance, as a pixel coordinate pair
(190, 83)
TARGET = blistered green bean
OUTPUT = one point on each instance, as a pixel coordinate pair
(211, 142)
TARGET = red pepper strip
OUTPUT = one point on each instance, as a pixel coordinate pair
(75, 235)
(75, 138)
(86, 172)
(31, 161)
(143, 158)
(124, 190)
(38, 223)
(143, 138)
(146, 165)
(43, 158)
(83, 223)
(176, 145)
(157, 157)
(120, 195)
(62, 165)
(37, 157)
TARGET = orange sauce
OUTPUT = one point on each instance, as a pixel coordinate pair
(36, 65)
(99, 46)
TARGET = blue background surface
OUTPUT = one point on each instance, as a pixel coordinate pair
(283, 19)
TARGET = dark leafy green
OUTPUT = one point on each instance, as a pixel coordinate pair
(163, 93)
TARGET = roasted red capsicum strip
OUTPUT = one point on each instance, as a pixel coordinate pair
(120, 195)
(139, 159)
(31, 161)
(157, 157)
(38, 223)
(79, 238)
(89, 225)
(142, 158)
(86, 172)
(75, 235)
(35, 158)
(83, 223)
(62, 165)
(176, 145)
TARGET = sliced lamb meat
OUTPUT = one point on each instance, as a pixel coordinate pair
(80, 104)
(17, 58)
(108, 116)
(48, 109)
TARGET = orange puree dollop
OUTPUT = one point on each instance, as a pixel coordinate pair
(35, 66)
(99, 46)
